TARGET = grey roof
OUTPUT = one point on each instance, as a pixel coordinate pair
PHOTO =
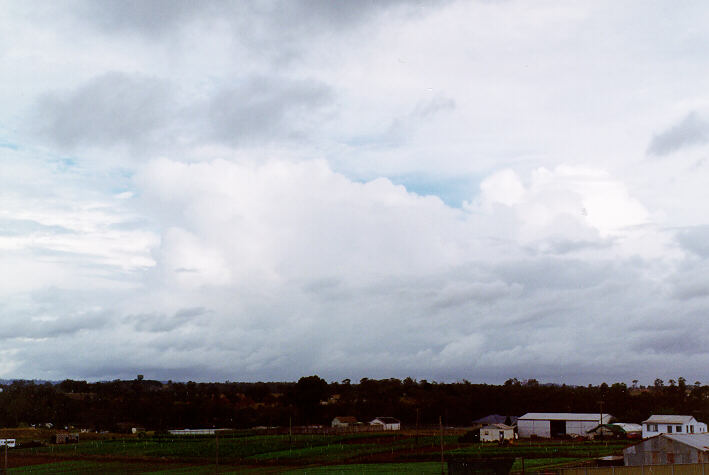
(564, 416)
(698, 441)
(668, 419)
(495, 419)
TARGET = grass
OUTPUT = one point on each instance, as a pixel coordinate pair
(384, 468)
(301, 448)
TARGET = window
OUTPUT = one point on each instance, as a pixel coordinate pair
(669, 429)
(691, 429)
(678, 429)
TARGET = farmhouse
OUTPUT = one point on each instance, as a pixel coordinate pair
(497, 432)
(387, 423)
(344, 421)
(559, 424)
(668, 449)
(672, 424)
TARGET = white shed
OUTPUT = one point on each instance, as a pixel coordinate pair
(496, 432)
(559, 424)
(387, 423)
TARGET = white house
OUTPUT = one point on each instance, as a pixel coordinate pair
(672, 424)
(559, 424)
(387, 423)
(496, 432)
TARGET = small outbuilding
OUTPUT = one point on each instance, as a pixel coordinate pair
(387, 423)
(344, 421)
(497, 433)
(672, 424)
(668, 449)
(559, 424)
(620, 430)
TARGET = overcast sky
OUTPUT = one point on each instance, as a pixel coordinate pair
(264, 190)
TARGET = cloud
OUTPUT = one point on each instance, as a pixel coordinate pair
(157, 17)
(692, 130)
(144, 114)
(188, 185)
(112, 109)
(262, 110)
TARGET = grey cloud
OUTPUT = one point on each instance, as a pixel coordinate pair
(140, 112)
(692, 130)
(57, 328)
(111, 109)
(671, 342)
(695, 239)
(145, 16)
(265, 108)
(160, 323)
(261, 18)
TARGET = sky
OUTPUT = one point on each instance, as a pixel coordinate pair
(270, 189)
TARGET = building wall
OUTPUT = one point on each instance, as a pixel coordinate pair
(693, 427)
(528, 428)
(661, 451)
(493, 434)
(580, 427)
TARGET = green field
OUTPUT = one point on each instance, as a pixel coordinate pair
(351, 453)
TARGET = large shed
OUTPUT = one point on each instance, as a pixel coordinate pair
(668, 449)
(559, 424)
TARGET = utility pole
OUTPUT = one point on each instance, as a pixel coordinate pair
(216, 435)
(417, 427)
(600, 419)
(440, 424)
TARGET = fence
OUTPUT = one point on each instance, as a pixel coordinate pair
(669, 469)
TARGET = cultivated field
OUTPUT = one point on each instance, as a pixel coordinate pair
(385, 452)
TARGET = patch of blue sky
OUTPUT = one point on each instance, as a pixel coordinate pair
(453, 191)
(10, 145)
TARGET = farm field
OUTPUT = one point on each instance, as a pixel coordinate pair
(312, 453)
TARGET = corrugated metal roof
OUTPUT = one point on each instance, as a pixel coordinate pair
(668, 419)
(698, 441)
(564, 416)
(629, 427)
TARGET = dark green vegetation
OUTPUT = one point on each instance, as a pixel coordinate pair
(353, 453)
(154, 405)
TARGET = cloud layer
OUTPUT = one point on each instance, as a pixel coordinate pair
(265, 190)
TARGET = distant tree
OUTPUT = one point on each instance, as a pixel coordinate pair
(309, 391)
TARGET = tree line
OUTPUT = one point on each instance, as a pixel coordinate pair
(311, 400)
